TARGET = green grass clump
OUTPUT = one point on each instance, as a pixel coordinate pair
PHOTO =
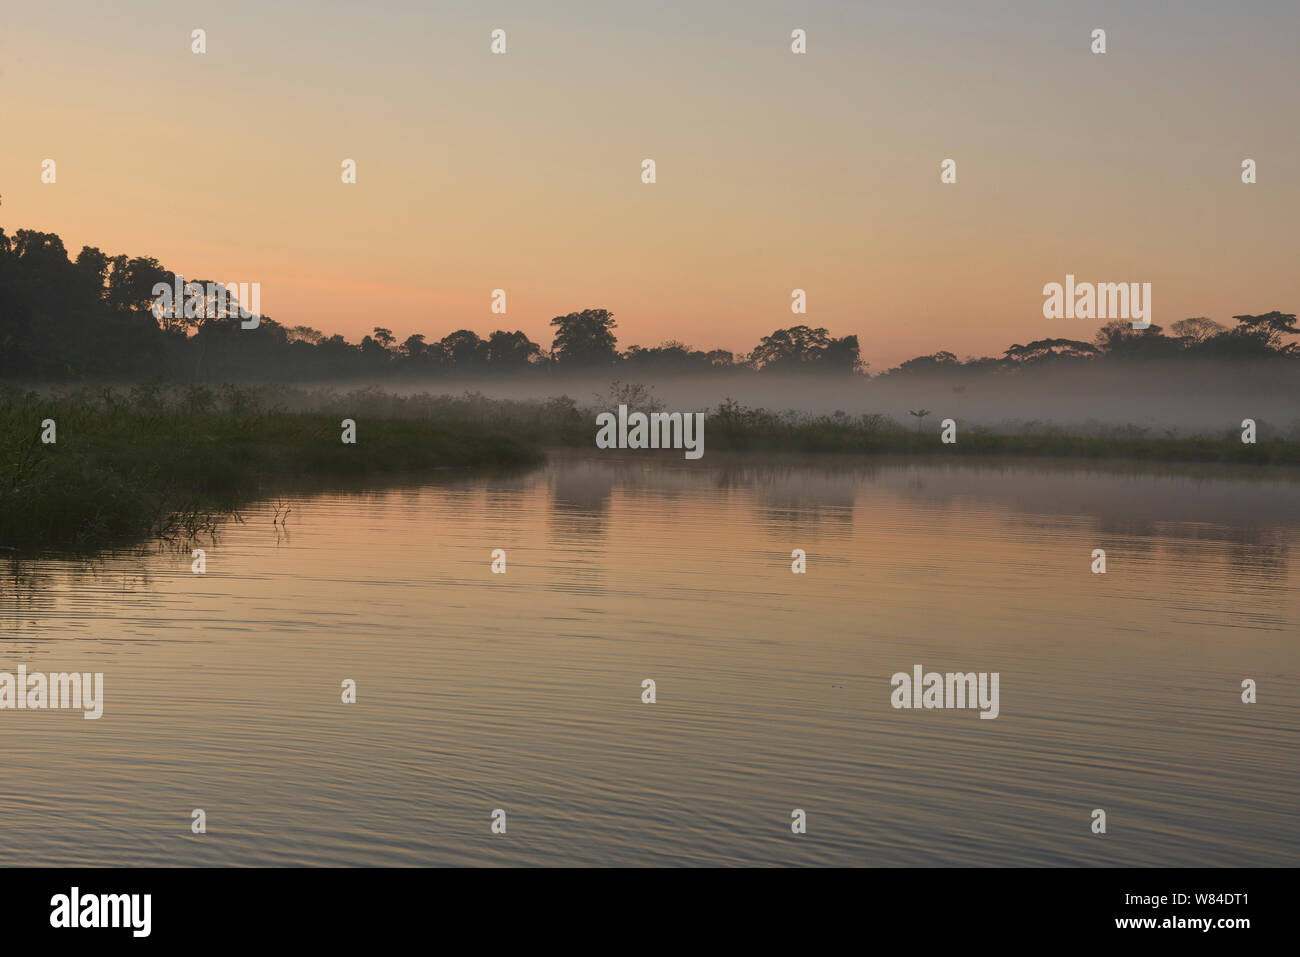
(142, 464)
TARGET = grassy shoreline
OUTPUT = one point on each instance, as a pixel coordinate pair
(123, 469)
(561, 422)
(131, 465)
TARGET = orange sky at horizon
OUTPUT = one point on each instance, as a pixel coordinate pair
(775, 171)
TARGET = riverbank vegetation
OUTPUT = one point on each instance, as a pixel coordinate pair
(151, 461)
(125, 466)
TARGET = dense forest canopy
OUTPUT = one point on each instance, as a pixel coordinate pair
(96, 317)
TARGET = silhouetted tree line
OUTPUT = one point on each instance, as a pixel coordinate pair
(1253, 337)
(94, 317)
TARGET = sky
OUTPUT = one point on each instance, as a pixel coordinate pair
(775, 171)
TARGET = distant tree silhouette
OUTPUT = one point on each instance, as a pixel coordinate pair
(585, 339)
(673, 356)
(786, 349)
(465, 350)
(842, 355)
(800, 348)
(510, 351)
(308, 335)
(939, 362)
(1043, 350)
(93, 317)
(1268, 328)
(1119, 340)
(1197, 329)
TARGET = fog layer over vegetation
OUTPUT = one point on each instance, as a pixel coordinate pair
(97, 319)
(1179, 397)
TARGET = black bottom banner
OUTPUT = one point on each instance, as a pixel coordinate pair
(140, 907)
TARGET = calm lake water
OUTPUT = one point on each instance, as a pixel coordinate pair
(522, 691)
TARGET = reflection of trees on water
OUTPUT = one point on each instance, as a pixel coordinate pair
(1162, 513)
(1161, 516)
(34, 589)
(582, 493)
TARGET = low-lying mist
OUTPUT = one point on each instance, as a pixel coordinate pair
(1181, 398)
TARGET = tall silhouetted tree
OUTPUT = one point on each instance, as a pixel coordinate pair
(788, 349)
(465, 350)
(1268, 328)
(802, 348)
(507, 351)
(585, 338)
